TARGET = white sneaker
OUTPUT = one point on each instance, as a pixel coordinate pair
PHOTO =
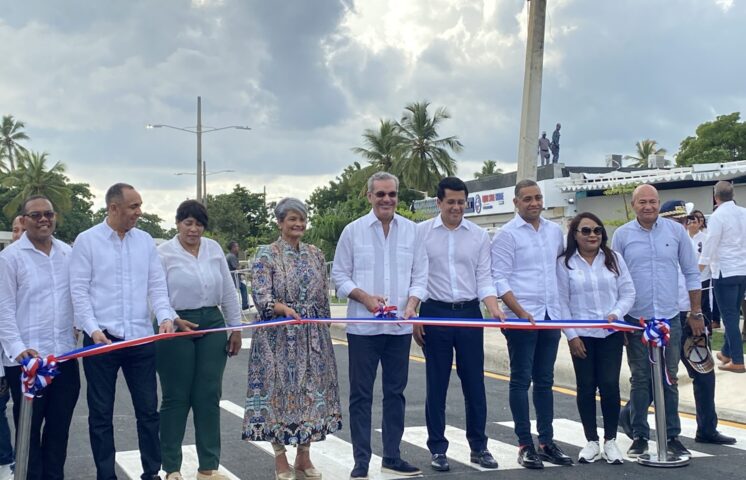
(612, 453)
(590, 453)
(6, 473)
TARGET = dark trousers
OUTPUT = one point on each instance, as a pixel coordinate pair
(599, 370)
(191, 373)
(729, 292)
(244, 296)
(532, 356)
(6, 447)
(138, 366)
(709, 305)
(50, 421)
(703, 385)
(365, 352)
(440, 343)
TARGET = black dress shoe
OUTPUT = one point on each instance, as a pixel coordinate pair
(484, 459)
(675, 447)
(397, 466)
(440, 462)
(360, 472)
(553, 454)
(638, 447)
(717, 439)
(528, 458)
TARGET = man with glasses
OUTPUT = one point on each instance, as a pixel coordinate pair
(116, 279)
(458, 254)
(380, 262)
(36, 320)
(655, 251)
(524, 261)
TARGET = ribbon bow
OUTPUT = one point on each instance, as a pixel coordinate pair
(657, 333)
(37, 373)
(386, 312)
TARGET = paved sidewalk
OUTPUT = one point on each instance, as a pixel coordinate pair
(730, 395)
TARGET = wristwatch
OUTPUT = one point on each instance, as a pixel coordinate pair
(699, 315)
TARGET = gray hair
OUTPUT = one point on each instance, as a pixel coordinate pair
(287, 205)
(382, 176)
(724, 191)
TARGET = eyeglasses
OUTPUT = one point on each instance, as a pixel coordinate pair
(381, 194)
(586, 231)
(36, 216)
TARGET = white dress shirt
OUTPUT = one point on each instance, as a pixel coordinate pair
(35, 307)
(116, 282)
(393, 266)
(724, 248)
(202, 281)
(458, 261)
(524, 261)
(698, 241)
(593, 292)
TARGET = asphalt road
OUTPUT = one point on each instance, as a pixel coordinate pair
(334, 458)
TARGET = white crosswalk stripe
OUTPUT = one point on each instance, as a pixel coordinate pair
(689, 430)
(459, 450)
(333, 457)
(571, 433)
(129, 462)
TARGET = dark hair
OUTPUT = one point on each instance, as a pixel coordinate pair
(451, 183)
(704, 219)
(572, 244)
(31, 199)
(523, 184)
(194, 209)
(231, 243)
(114, 193)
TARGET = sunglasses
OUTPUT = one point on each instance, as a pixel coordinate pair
(586, 231)
(381, 194)
(36, 216)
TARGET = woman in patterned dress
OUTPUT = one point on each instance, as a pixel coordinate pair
(293, 393)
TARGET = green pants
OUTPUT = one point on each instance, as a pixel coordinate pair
(191, 373)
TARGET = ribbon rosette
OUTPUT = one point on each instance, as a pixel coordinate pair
(37, 374)
(657, 333)
(387, 312)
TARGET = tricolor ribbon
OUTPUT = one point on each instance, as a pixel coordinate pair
(386, 312)
(657, 334)
(37, 373)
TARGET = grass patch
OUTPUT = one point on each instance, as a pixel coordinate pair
(717, 339)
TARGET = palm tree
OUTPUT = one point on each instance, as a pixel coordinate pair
(645, 148)
(11, 132)
(489, 167)
(382, 147)
(425, 157)
(32, 178)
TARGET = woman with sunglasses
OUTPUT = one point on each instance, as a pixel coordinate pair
(594, 283)
(697, 228)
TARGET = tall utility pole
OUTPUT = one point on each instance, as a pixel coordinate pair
(199, 150)
(531, 107)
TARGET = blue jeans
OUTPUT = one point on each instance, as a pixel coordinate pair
(6, 448)
(532, 356)
(639, 365)
(729, 293)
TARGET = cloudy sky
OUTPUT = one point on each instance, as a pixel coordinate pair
(310, 75)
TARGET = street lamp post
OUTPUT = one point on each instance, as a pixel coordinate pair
(199, 130)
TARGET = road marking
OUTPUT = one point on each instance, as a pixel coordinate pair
(129, 462)
(571, 432)
(459, 450)
(333, 457)
(689, 429)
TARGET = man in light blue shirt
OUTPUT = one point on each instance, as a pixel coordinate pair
(654, 249)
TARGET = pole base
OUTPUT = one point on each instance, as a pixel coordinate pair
(670, 461)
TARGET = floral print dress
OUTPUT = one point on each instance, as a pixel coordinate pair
(293, 392)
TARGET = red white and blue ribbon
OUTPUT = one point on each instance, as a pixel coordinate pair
(41, 371)
(657, 334)
(37, 373)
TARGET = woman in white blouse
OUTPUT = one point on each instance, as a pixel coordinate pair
(191, 368)
(594, 283)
